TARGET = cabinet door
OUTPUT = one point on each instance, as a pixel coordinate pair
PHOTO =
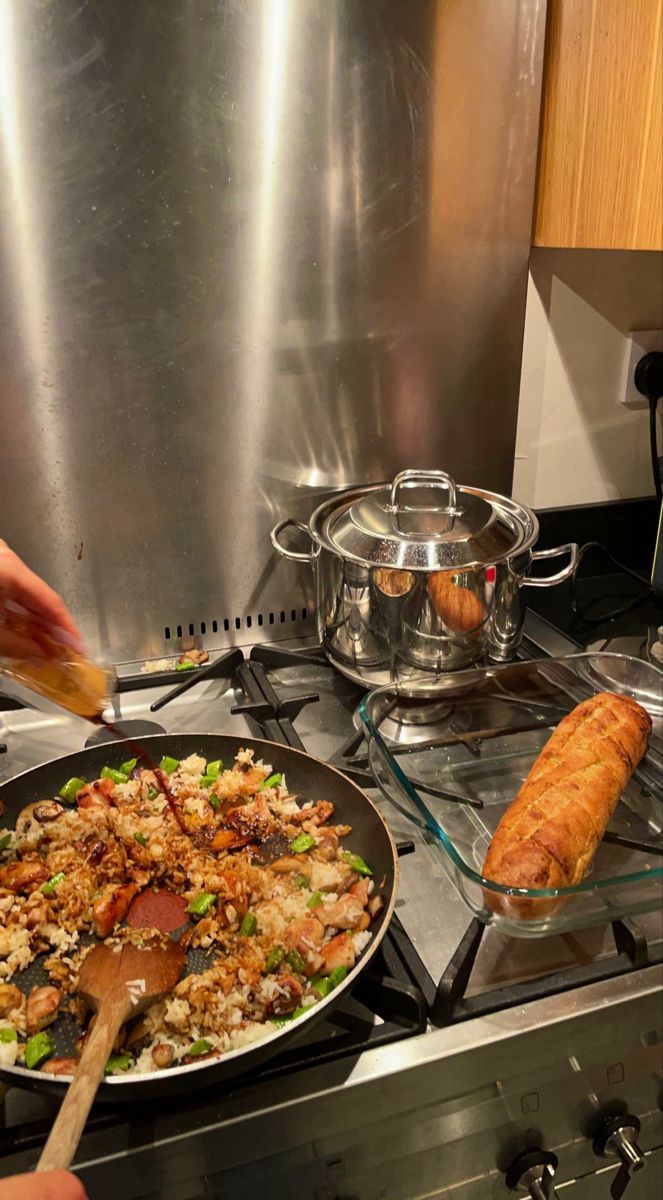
(600, 163)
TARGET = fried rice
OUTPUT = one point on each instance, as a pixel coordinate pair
(272, 897)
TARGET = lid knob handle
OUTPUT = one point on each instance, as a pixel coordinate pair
(438, 479)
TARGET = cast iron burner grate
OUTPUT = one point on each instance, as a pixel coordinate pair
(448, 1003)
(265, 703)
(385, 1006)
(352, 756)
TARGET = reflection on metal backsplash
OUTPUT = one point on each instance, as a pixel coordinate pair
(251, 250)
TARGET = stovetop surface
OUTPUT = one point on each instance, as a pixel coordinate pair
(428, 906)
(434, 920)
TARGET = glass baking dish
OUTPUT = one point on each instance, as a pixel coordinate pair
(451, 755)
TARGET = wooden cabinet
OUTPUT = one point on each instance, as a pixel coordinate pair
(600, 180)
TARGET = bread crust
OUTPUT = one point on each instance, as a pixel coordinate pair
(459, 607)
(548, 836)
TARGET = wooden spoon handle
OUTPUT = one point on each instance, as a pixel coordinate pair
(70, 1121)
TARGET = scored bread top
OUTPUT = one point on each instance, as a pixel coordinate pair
(549, 835)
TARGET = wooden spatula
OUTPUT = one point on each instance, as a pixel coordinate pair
(118, 982)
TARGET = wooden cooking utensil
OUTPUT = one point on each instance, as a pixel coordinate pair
(118, 982)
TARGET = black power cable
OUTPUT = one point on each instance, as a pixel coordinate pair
(613, 612)
(648, 379)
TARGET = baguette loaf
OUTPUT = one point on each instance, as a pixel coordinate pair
(548, 836)
(393, 582)
(459, 607)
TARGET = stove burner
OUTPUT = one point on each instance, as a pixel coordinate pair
(130, 729)
(411, 720)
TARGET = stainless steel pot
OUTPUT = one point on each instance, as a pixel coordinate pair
(420, 574)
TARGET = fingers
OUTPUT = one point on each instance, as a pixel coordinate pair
(20, 584)
(49, 1185)
(19, 645)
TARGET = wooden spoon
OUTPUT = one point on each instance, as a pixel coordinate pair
(118, 981)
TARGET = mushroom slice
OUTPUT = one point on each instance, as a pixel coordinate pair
(35, 815)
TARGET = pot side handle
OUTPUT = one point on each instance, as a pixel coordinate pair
(550, 580)
(275, 535)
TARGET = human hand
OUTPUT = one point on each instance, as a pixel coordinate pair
(51, 1185)
(30, 612)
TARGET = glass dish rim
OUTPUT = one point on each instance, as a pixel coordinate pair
(433, 826)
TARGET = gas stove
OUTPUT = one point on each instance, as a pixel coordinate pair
(458, 1035)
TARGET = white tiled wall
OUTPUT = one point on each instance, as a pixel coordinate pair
(576, 443)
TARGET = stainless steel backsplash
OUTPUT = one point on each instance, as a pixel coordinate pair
(250, 251)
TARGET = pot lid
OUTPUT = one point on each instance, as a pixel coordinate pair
(424, 520)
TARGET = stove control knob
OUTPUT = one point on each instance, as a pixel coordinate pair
(616, 1138)
(532, 1173)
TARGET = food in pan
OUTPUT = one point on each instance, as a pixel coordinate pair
(548, 836)
(273, 896)
(458, 607)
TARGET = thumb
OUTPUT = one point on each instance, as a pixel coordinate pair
(51, 1185)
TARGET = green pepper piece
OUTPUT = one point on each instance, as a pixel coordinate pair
(214, 802)
(207, 780)
(301, 881)
(321, 985)
(8, 1035)
(214, 768)
(140, 838)
(201, 903)
(111, 773)
(169, 764)
(49, 887)
(315, 900)
(4, 841)
(274, 959)
(128, 766)
(71, 789)
(280, 1021)
(273, 781)
(38, 1049)
(249, 925)
(303, 842)
(357, 863)
(337, 976)
(301, 1010)
(118, 1062)
(152, 793)
(201, 1046)
(185, 666)
(296, 961)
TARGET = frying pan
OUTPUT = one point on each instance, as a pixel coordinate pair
(307, 778)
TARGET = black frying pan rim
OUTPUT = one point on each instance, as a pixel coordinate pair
(128, 1087)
